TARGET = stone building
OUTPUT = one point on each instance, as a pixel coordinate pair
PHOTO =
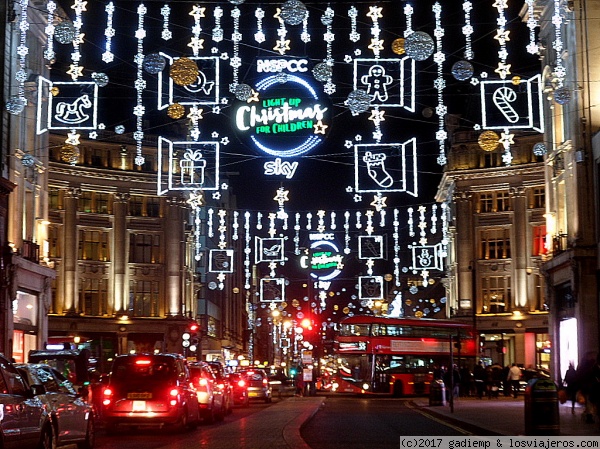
(497, 247)
(570, 36)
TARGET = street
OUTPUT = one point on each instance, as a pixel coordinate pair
(342, 422)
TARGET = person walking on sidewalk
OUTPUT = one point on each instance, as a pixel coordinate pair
(479, 375)
(514, 377)
(571, 386)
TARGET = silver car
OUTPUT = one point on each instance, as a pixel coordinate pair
(72, 417)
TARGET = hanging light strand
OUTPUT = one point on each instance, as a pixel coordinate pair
(49, 53)
(109, 33)
(140, 85)
(440, 84)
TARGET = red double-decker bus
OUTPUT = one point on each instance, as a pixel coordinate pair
(398, 356)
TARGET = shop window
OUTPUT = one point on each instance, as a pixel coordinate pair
(144, 300)
(93, 296)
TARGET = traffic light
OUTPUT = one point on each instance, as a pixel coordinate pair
(190, 337)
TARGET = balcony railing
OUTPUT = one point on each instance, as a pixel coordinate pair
(560, 243)
(30, 251)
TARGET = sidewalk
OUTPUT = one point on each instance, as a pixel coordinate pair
(503, 416)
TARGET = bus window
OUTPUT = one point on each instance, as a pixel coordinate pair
(357, 330)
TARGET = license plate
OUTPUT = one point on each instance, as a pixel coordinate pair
(251, 395)
(139, 395)
(139, 406)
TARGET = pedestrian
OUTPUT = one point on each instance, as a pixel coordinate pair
(571, 385)
(514, 377)
(479, 375)
(452, 381)
(300, 383)
(586, 380)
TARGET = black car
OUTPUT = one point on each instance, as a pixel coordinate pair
(239, 384)
(26, 422)
(150, 389)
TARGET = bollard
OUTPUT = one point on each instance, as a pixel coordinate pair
(541, 408)
(437, 393)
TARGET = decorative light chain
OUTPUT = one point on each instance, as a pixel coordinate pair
(410, 222)
(346, 232)
(305, 36)
(247, 250)
(196, 44)
(353, 14)
(408, 12)
(217, 32)
(140, 85)
(396, 237)
(467, 30)
(329, 37)
(440, 84)
(532, 48)
(109, 33)
(75, 70)
(502, 37)
(434, 219)
(235, 225)
(165, 11)
(560, 71)
(297, 235)
(22, 50)
(282, 44)
(49, 53)
(376, 44)
(235, 62)
(259, 36)
(222, 229)
(211, 214)
(422, 226)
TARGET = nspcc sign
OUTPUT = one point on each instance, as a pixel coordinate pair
(287, 120)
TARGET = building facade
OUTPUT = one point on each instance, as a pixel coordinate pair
(497, 248)
(570, 36)
(127, 276)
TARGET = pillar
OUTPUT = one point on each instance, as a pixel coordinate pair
(70, 250)
(519, 247)
(120, 252)
(174, 240)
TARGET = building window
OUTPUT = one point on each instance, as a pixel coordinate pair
(136, 205)
(153, 206)
(54, 242)
(539, 198)
(495, 291)
(85, 201)
(502, 202)
(93, 245)
(54, 202)
(486, 202)
(144, 298)
(144, 248)
(93, 296)
(495, 244)
(102, 203)
(539, 241)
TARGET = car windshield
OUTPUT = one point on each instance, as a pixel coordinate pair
(148, 369)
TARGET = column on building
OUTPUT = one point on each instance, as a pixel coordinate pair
(69, 265)
(120, 252)
(466, 251)
(174, 239)
(519, 247)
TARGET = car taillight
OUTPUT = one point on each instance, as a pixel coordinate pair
(203, 382)
(107, 393)
(174, 393)
(221, 386)
(265, 382)
(242, 383)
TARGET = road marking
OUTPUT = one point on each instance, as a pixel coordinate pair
(434, 418)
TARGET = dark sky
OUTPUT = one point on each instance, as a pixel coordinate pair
(324, 174)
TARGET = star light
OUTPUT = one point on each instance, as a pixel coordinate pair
(375, 12)
(196, 44)
(73, 138)
(253, 97)
(376, 45)
(197, 12)
(75, 71)
(379, 202)
(320, 128)
(503, 70)
(282, 196)
(282, 46)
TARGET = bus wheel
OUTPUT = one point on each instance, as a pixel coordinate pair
(397, 389)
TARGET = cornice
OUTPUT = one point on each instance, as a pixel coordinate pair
(82, 174)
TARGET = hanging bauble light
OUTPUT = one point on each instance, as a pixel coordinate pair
(398, 46)
(184, 72)
(69, 154)
(419, 45)
(516, 80)
(101, 79)
(119, 129)
(16, 104)
(488, 141)
(154, 63)
(539, 149)
(358, 101)
(236, 2)
(293, 12)
(175, 111)
(54, 91)
(65, 33)
(243, 92)
(462, 70)
(28, 160)
(562, 95)
(322, 71)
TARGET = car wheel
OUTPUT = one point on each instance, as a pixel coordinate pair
(209, 418)
(48, 441)
(90, 436)
(182, 422)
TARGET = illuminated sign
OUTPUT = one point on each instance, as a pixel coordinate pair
(277, 65)
(325, 261)
(287, 119)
